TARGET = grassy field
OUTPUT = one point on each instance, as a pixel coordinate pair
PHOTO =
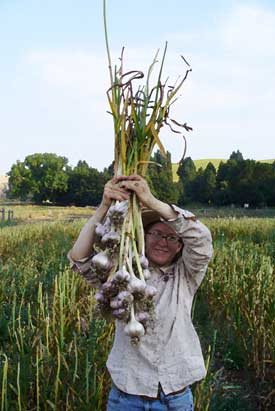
(24, 214)
(53, 347)
(34, 213)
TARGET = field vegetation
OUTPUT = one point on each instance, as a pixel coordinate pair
(34, 213)
(53, 345)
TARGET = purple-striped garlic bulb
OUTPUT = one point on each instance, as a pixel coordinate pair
(111, 238)
(142, 317)
(121, 314)
(122, 299)
(100, 230)
(109, 289)
(118, 212)
(150, 291)
(136, 285)
(122, 276)
(100, 297)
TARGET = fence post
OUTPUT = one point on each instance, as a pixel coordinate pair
(9, 215)
(3, 214)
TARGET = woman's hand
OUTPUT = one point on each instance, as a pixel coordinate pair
(113, 190)
(138, 185)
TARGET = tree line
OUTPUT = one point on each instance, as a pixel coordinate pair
(47, 177)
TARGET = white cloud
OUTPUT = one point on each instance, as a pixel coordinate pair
(250, 32)
(79, 72)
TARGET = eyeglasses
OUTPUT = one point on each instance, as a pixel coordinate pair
(157, 236)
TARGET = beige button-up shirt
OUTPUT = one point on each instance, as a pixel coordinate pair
(170, 352)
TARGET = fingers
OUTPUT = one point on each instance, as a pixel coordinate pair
(127, 178)
(119, 188)
(133, 185)
(114, 191)
(119, 195)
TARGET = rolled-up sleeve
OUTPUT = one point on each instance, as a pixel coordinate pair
(85, 269)
(197, 245)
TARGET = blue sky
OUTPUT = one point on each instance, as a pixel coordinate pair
(54, 75)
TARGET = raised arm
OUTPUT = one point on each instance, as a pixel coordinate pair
(197, 240)
(83, 245)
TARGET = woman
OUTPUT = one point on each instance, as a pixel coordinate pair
(157, 373)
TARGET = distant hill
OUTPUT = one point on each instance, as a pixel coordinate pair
(203, 163)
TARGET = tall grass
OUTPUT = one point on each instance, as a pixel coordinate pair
(53, 348)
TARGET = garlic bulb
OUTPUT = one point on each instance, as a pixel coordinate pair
(114, 303)
(121, 207)
(102, 261)
(125, 298)
(136, 285)
(100, 298)
(117, 212)
(146, 274)
(122, 299)
(142, 317)
(143, 261)
(109, 289)
(120, 314)
(111, 238)
(122, 275)
(150, 291)
(134, 328)
(100, 230)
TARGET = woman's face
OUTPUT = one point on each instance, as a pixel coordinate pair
(161, 244)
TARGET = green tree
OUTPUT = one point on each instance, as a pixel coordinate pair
(187, 174)
(85, 185)
(40, 177)
(236, 155)
(160, 178)
(222, 194)
(204, 184)
(20, 182)
(245, 181)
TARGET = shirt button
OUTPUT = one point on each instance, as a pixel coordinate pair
(166, 278)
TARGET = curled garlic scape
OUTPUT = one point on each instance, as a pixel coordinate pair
(122, 267)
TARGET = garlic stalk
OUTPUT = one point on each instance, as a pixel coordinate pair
(138, 226)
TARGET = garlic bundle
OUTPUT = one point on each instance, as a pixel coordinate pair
(122, 268)
(138, 113)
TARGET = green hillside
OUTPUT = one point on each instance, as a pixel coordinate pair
(203, 163)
